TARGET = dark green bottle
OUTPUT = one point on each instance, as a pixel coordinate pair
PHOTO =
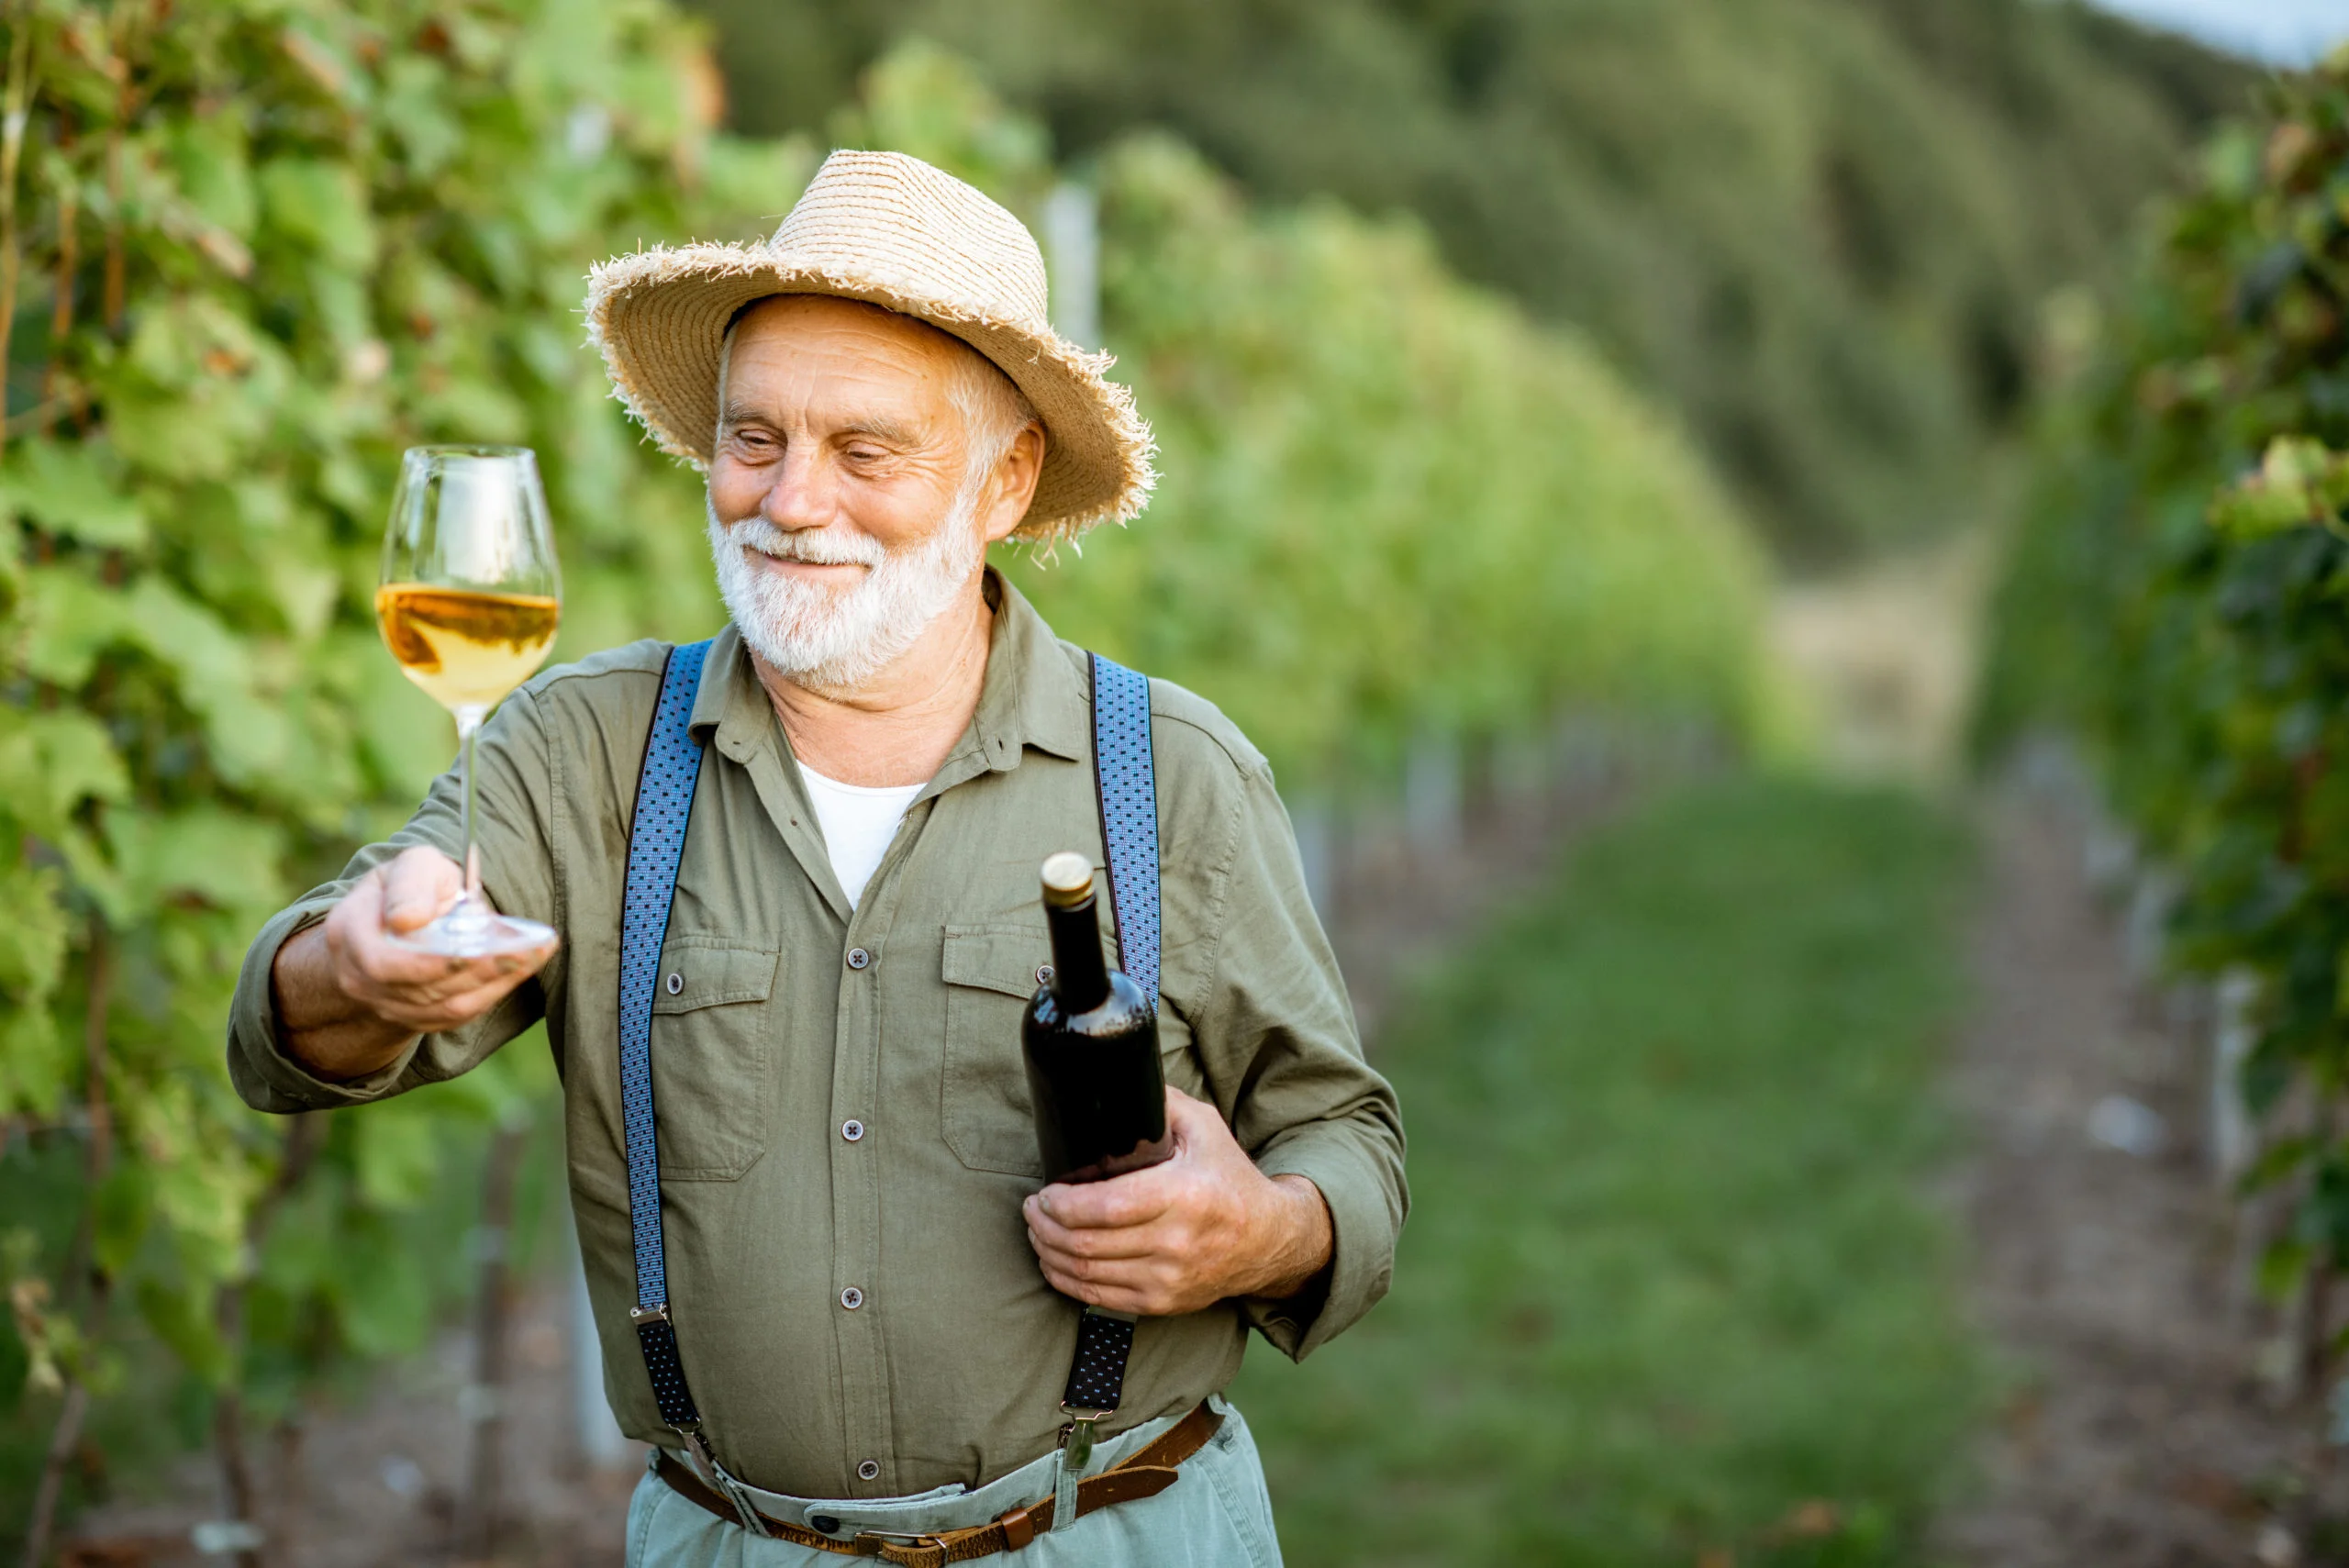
(1091, 1041)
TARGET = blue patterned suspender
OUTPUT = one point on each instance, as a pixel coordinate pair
(665, 808)
(1127, 787)
(1127, 784)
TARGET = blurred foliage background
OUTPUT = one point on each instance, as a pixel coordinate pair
(1500, 356)
(1356, 542)
(1821, 229)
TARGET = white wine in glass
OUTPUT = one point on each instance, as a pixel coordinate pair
(468, 604)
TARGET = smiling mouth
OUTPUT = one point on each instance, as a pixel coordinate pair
(802, 563)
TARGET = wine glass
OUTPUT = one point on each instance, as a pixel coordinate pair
(468, 604)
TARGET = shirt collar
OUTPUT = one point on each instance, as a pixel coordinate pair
(730, 696)
(1033, 693)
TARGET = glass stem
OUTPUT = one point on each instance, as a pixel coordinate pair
(469, 723)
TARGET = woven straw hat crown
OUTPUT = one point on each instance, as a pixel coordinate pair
(892, 231)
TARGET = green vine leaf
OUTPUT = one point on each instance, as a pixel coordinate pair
(33, 936)
(123, 1206)
(66, 758)
(35, 1060)
(205, 852)
(180, 1314)
(67, 491)
(211, 161)
(2300, 482)
(69, 618)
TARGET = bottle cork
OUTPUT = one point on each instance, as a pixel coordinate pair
(1068, 880)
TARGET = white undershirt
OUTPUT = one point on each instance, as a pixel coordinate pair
(858, 823)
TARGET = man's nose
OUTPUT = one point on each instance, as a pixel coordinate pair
(801, 495)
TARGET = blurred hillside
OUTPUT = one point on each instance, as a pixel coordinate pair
(1820, 228)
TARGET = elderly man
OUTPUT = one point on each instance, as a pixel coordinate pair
(842, 1310)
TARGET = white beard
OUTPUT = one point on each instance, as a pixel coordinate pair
(833, 641)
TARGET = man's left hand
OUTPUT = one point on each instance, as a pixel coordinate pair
(1185, 1233)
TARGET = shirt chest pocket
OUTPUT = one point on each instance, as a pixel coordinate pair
(713, 1072)
(988, 1115)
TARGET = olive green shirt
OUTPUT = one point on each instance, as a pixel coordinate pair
(843, 1113)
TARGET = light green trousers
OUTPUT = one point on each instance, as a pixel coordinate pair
(1216, 1516)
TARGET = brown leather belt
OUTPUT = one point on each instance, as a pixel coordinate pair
(1148, 1471)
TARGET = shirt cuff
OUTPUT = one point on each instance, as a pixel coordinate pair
(1362, 1224)
(265, 1078)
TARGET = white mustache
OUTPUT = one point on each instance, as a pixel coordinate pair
(811, 547)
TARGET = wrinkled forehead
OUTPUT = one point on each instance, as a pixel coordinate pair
(798, 347)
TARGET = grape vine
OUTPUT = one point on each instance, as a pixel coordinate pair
(2180, 595)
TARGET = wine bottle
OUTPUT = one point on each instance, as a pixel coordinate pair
(1091, 1041)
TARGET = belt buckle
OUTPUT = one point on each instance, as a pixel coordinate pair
(903, 1538)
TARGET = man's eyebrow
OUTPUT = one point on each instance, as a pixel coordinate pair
(883, 429)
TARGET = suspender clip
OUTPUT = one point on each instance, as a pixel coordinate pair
(1076, 1455)
(1077, 1436)
(656, 1313)
(702, 1460)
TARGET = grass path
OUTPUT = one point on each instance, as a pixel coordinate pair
(1671, 1291)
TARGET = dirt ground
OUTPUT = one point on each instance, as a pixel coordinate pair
(2146, 1423)
(376, 1485)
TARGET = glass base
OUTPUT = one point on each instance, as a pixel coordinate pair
(469, 933)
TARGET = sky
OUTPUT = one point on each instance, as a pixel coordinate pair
(2283, 32)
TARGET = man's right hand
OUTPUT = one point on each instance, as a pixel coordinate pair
(349, 998)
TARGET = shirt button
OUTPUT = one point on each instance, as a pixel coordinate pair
(675, 982)
(869, 1471)
(852, 1129)
(858, 958)
(852, 1298)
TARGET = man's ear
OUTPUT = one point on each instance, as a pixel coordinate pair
(1013, 482)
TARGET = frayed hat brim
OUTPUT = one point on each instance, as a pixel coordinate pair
(659, 317)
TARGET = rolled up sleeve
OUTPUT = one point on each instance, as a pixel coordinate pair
(517, 873)
(1283, 1057)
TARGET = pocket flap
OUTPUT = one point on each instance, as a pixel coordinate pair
(704, 971)
(997, 958)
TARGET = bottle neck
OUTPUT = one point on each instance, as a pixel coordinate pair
(1080, 974)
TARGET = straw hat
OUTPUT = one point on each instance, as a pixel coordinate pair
(892, 231)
